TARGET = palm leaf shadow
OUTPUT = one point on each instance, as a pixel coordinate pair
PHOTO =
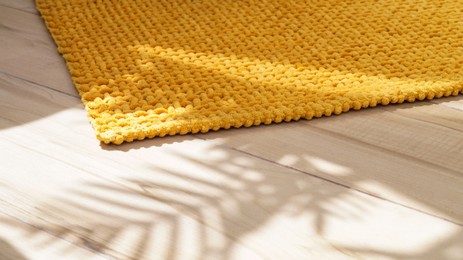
(216, 203)
(221, 205)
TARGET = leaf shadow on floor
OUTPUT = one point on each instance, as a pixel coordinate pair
(9, 252)
(216, 203)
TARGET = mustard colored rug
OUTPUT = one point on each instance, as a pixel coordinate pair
(147, 68)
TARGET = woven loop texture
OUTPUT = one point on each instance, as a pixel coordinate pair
(147, 68)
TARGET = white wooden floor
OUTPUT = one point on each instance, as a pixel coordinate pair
(383, 183)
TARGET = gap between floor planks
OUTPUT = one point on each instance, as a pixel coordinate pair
(13, 230)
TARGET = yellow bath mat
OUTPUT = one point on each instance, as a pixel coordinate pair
(147, 68)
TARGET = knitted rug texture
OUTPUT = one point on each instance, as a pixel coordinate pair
(147, 68)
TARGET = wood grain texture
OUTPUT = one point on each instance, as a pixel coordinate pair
(20, 241)
(384, 183)
(386, 151)
(26, 48)
(23, 5)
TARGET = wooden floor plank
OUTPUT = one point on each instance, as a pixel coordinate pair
(19, 241)
(29, 52)
(419, 138)
(456, 104)
(442, 113)
(181, 197)
(23, 5)
(379, 151)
